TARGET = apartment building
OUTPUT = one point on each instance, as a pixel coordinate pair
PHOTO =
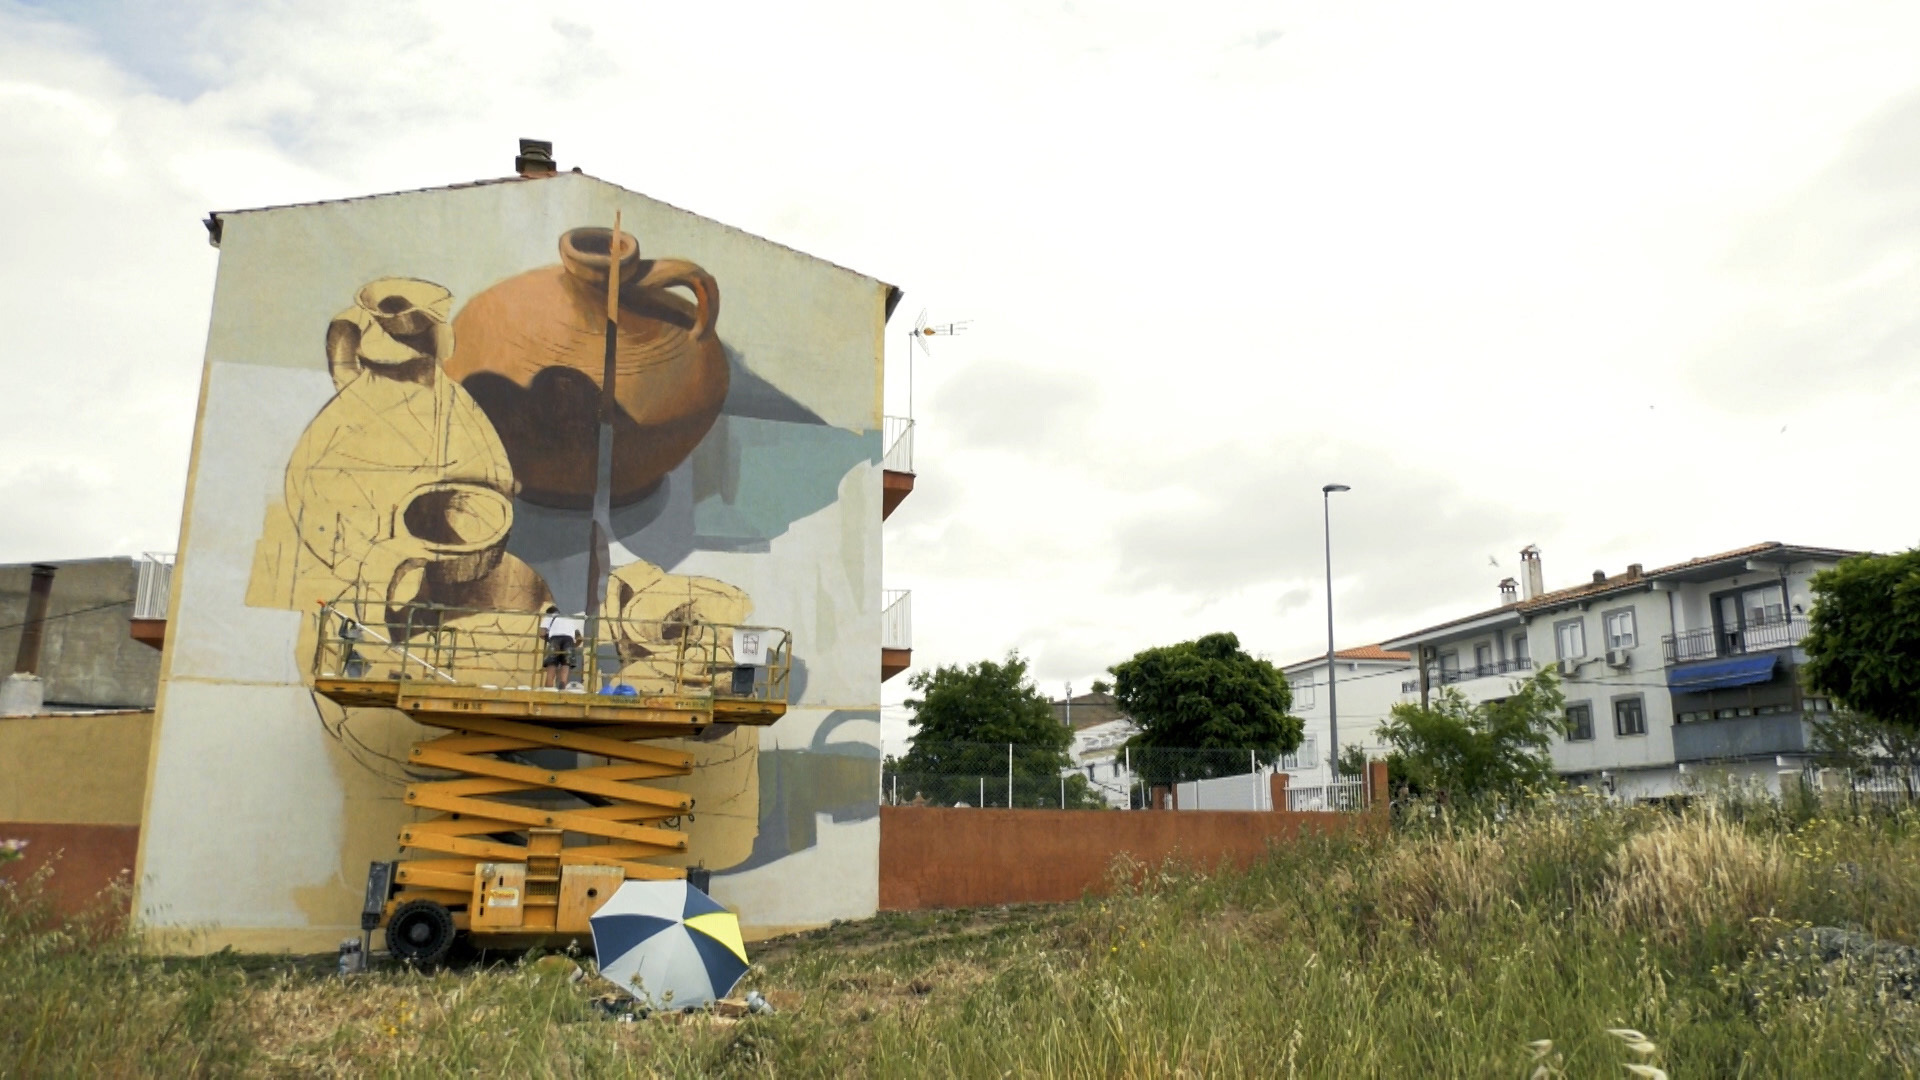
(1669, 674)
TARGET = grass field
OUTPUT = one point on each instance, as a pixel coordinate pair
(1442, 950)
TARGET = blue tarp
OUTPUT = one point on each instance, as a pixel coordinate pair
(1720, 674)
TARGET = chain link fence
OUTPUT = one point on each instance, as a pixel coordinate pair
(1005, 775)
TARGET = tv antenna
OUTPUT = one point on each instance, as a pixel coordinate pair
(917, 339)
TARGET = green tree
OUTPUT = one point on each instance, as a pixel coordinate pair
(975, 724)
(1863, 637)
(1456, 749)
(1206, 695)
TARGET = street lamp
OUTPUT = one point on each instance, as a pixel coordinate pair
(1333, 715)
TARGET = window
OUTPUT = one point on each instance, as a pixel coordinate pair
(1519, 646)
(1483, 659)
(1571, 638)
(1620, 630)
(1449, 668)
(1629, 717)
(1579, 723)
(1303, 695)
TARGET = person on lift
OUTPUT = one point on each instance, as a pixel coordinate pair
(563, 635)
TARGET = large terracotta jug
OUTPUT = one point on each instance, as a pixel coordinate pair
(531, 350)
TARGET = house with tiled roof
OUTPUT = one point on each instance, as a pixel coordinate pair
(1687, 668)
(1365, 685)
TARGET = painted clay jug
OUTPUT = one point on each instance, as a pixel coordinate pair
(531, 350)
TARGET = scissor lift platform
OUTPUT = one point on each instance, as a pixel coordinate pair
(544, 809)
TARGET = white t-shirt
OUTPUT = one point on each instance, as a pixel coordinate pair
(565, 626)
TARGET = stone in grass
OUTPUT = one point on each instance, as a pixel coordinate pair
(555, 966)
(1897, 965)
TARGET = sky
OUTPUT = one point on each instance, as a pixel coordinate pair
(1632, 282)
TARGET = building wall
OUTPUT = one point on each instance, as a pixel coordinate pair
(1599, 686)
(72, 787)
(323, 469)
(88, 658)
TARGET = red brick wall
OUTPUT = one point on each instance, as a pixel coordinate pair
(941, 857)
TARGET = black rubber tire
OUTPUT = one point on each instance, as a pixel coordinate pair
(420, 933)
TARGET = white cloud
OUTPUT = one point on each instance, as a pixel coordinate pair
(1516, 273)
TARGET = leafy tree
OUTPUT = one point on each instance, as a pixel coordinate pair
(1456, 749)
(1102, 686)
(1353, 760)
(974, 724)
(1206, 694)
(1863, 637)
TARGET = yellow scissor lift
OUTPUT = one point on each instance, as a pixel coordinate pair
(544, 808)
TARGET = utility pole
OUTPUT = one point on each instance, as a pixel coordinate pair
(1333, 714)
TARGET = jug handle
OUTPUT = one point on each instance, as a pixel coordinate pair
(665, 273)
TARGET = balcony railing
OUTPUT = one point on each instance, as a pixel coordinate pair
(1708, 644)
(153, 586)
(898, 436)
(896, 619)
(1480, 671)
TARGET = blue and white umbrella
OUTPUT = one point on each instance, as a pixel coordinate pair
(668, 944)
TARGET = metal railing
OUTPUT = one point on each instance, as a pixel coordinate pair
(1342, 796)
(1013, 776)
(1709, 644)
(153, 586)
(896, 619)
(1481, 671)
(508, 650)
(898, 436)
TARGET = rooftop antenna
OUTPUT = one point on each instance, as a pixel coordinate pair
(917, 339)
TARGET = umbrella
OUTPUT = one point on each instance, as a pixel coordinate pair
(668, 944)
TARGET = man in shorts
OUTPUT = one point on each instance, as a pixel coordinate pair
(563, 635)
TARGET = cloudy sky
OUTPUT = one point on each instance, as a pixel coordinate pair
(1633, 283)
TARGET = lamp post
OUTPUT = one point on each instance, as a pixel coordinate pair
(1333, 714)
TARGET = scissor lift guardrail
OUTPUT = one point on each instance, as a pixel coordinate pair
(517, 844)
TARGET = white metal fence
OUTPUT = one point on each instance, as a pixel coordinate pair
(896, 619)
(1252, 791)
(1339, 796)
(153, 586)
(898, 436)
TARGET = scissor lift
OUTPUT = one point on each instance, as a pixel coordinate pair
(545, 806)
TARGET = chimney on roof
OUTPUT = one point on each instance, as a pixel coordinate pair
(33, 631)
(1635, 570)
(22, 693)
(1599, 576)
(1509, 591)
(536, 158)
(1534, 580)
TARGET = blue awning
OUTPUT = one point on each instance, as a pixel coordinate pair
(1721, 674)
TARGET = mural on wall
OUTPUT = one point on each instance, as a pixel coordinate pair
(445, 430)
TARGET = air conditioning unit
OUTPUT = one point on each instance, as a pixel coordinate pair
(1568, 668)
(1618, 658)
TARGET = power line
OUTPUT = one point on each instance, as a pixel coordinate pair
(70, 614)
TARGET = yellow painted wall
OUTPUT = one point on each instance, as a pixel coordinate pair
(80, 770)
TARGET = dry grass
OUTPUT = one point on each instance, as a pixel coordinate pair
(1677, 879)
(1443, 950)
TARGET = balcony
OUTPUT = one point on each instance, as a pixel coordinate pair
(1481, 671)
(896, 633)
(151, 591)
(1747, 736)
(1710, 644)
(897, 465)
